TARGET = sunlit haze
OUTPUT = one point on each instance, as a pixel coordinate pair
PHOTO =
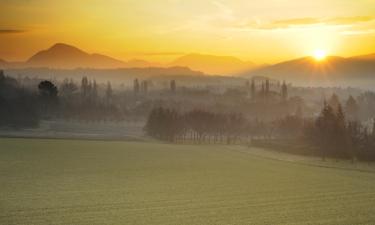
(161, 30)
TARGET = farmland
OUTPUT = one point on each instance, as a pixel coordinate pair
(107, 182)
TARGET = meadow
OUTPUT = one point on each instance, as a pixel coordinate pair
(45, 181)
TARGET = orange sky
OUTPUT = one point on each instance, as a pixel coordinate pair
(160, 30)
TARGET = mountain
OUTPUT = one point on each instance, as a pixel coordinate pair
(223, 65)
(333, 70)
(64, 56)
(365, 57)
(67, 56)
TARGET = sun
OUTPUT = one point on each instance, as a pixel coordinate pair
(320, 54)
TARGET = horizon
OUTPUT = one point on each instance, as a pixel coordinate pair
(324, 55)
(269, 32)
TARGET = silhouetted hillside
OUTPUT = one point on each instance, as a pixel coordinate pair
(331, 71)
(66, 56)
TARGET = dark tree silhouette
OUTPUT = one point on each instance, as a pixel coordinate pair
(136, 86)
(284, 91)
(47, 89)
(253, 90)
(173, 86)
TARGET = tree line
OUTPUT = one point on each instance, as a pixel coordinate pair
(331, 134)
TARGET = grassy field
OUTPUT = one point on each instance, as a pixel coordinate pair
(102, 182)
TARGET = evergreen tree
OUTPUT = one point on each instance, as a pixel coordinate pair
(352, 109)
(334, 102)
(267, 91)
(84, 87)
(173, 86)
(109, 93)
(136, 86)
(253, 89)
(284, 91)
(94, 90)
(262, 91)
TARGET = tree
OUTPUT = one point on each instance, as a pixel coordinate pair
(18, 106)
(262, 91)
(267, 91)
(48, 96)
(94, 93)
(253, 89)
(47, 90)
(340, 134)
(2, 76)
(334, 102)
(165, 124)
(108, 93)
(284, 92)
(68, 88)
(352, 109)
(173, 86)
(136, 86)
(325, 128)
(84, 87)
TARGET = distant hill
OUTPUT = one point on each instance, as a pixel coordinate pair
(365, 57)
(67, 56)
(64, 56)
(334, 70)
(211, 64)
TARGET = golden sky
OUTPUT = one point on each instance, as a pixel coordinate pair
(265, 31)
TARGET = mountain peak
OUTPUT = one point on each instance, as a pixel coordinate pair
(62, 55)
(65, 48)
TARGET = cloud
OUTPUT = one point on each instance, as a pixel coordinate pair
(357, 32)
(295, 21)
(349, 20)
(11, 31)
(303, 22)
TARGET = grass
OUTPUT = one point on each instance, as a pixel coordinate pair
(106, 182)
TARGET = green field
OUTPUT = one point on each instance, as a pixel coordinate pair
(105, 182)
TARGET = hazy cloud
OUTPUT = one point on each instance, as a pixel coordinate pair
(357, 32)
(304, 22)
(349, 20)
(11, 31)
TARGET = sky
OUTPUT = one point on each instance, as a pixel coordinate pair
(266, 31)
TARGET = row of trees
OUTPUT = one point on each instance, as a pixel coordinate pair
(196, 126)
(204, 126)
(89, 102)
(331, 134)
(265, 93)
(143, 86)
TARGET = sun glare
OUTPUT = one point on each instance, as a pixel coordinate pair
(320, 54)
